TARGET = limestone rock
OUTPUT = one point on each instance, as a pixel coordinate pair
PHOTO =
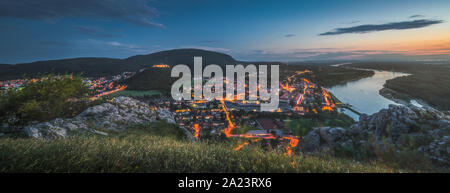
(117, 115)
(393, 128)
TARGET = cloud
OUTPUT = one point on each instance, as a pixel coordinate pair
(137, 12)
(289, 35)
(382, 27)
(351, 22)
(95, 31)
(284, 55)
(208, 41)
(344, 54)
(125, 46)
(55, 43)
(416, 16)
(113, 46)
(216, 49)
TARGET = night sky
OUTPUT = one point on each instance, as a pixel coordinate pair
(32, 30)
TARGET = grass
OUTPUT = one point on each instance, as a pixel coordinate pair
(139, 151)
(159, 128)
(301, 126)
(136, 93)
(242, 129)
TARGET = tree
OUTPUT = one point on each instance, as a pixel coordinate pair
(45, 98)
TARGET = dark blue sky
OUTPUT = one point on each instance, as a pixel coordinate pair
(33, 30)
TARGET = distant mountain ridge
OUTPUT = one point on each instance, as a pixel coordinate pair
(91, 66)
(181, 56)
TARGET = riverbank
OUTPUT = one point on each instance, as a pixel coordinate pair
(428, 82)
(401, 98)
(363, 94)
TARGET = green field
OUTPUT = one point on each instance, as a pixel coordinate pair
(324, 74)
(301, 126)
(136, 93)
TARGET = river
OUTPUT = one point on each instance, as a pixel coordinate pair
(363, 94)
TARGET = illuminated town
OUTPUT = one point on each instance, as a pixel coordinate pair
(228, 118)
(99, 86)
(223, 87)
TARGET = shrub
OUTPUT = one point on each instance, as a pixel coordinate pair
(48, 97)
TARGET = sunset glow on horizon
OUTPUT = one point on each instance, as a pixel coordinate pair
(268, 30)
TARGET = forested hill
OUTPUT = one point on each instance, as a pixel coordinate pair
(180, 56)
(88, 66)
(111, 66)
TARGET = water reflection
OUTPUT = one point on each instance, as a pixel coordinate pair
(364, 95)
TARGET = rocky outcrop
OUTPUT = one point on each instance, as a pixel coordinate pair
(322, 138)
(398, 128)
(115, 115)
(165, 114)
